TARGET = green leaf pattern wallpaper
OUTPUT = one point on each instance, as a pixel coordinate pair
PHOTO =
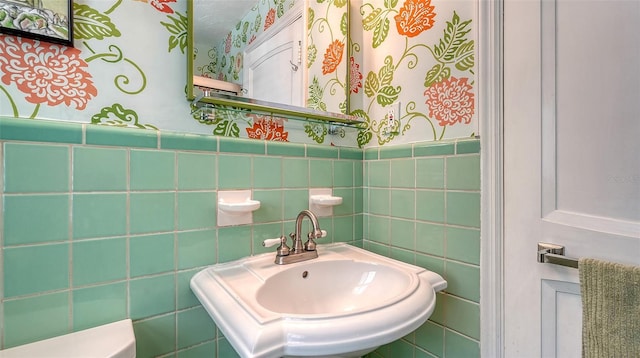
(128, 68)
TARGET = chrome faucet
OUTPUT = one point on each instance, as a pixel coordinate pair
(299, 251)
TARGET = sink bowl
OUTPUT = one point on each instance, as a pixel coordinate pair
(347, 302)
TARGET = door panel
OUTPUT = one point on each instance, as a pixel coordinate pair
(572, 173)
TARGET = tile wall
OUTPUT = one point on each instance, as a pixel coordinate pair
(102, 223)
(422, 206)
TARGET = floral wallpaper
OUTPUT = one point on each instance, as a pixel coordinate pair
(413, 59)
(416, 59)
(106, 78)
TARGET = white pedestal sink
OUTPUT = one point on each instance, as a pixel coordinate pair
(347, 302)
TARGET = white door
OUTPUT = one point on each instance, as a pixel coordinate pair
(571, 159)
(273, 67)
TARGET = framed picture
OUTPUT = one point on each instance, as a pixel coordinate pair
(45, 20)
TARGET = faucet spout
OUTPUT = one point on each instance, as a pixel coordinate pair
(299, 252)
(315, 233)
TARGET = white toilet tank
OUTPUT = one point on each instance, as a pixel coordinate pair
(113, 340)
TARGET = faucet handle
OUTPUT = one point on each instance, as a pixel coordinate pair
(271, 242)
(283, 249)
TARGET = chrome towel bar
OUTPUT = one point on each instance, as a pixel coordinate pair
(554, 254)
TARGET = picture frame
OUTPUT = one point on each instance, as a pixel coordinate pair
(44, 20)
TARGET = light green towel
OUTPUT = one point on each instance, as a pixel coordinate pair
(610, 309)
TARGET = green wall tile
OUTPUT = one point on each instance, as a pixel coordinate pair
(379, 173)
(438, 315)
(49, 313)
(379, 229)
(402, 151)
(196, 248)
(403, 233)
(342, 229)
(98, 305)
(463, 316)
(321, 173)
(194, 326)
(315, 151)
(358, 230)
(351, 153)
(121, 137)
(468, 146)
(430, 337)
(151, 212)
(427, 149)
(430, 173)
(97, 215)
(458, 345)
(403, 203)
(379, 201)
(226, 350)
(35, 218)
(403, 173)
(371, 154)
(463, 208)
(151, 254)
(196, 210)
(185, 297)
(234, 172)
(463, 172)
(430, 205)
(267, 172)
(248, 146)
(270, 206)
(196, 171)
(155, 336)
(40, 131)
(152, 296)
(234, 243)
(343, 173)
(431, 263)
(296, 174)
(294, 202)
(400, 348)
(186, 141)
(377, 248)
(403, 255)
(463, 244)
(463, 280)
(99, 260)
(285, 149)
(152, 170)
(347, 206)
(430, 238)
(34, 269)
(99, 169)
(32, 168)
(358, 174)
(208, 349)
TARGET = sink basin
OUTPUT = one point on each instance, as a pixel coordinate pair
(346, 302)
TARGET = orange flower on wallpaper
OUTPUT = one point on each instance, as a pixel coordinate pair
(270, 19)
(266, 128)
(451, 101)
(415, 16)
(46, 73)
(332, 57)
